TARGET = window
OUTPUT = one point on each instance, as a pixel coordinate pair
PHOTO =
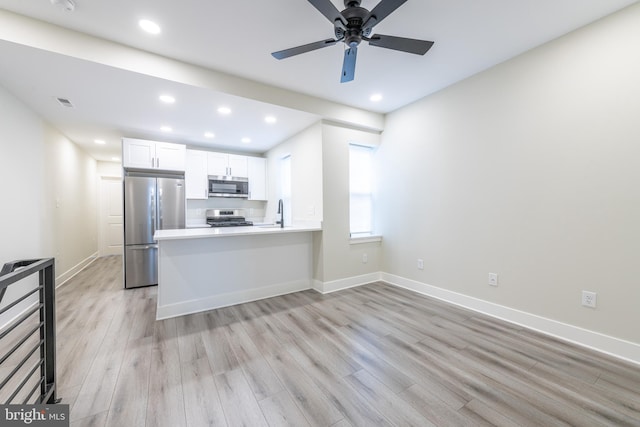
(360, 190)
(285, 187)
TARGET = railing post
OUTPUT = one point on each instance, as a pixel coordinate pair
(48, 314)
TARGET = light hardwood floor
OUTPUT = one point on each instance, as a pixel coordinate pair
(374, 355)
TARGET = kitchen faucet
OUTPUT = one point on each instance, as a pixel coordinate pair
(281, 212)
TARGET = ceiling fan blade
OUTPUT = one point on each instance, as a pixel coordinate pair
(282, 54)
(381, 11)
(418, 47)
(328, 10)
(349, 64)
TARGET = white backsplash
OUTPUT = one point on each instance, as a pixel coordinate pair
(197, 209)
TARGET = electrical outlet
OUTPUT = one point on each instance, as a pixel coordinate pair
(493, 279)
(420, 264)
(365, 258)
(589, 299)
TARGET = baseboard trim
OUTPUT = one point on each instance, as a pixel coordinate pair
(59, 281)
(606, 344)
(341, 284)
(67, 275)
(232, 298)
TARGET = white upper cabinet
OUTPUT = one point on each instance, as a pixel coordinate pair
(257, 178)
(171, 157)
(238, 166)
(218, 163)
(195, 175)
(142, 154)
(222, 164)
(137, 153)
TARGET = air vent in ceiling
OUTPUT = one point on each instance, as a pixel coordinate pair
(65, 102)
(66, 5)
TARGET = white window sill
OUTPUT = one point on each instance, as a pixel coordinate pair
(365, 239)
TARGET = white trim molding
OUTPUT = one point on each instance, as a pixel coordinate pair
(213, 302)
(64, 277)
(349, 282)
(612, 346)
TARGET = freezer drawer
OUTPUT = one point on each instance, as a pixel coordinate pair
(141, 266)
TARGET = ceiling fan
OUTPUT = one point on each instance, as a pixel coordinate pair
(353, 25)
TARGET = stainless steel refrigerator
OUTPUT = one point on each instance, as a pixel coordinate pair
(151, 202)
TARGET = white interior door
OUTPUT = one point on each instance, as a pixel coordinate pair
(111, 231)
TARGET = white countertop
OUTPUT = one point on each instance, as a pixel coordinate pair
(203, 233)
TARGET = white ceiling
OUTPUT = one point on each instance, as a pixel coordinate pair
(238, 37)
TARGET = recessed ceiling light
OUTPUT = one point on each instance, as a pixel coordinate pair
(246, 140)
(224, 110)
(166, 128)
(149, 26)
(167, 99)
(99, 141)
(115, 159)
(270, 119)
(209, 135)
(375, 97)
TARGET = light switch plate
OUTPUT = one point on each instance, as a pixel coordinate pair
(493, 279)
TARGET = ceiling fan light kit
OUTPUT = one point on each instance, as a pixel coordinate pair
(353, 25)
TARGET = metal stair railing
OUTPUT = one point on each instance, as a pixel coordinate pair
(28, 335)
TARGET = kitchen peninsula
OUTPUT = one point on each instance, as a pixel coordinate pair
(201, 269)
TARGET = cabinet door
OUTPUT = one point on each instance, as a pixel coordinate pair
(170, 157)
(238, 165)
(138, 153)
(195, 175)
(217, 164)
(257, 178)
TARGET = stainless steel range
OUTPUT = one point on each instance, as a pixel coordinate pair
(226, 218)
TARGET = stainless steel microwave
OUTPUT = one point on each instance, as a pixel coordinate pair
(228, 186)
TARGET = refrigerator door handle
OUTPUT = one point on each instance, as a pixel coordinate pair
(154, 213)
(160, 209)
(143, 248)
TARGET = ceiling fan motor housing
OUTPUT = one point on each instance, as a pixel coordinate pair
(354, 15)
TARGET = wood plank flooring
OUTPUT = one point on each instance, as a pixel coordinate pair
(374, 355)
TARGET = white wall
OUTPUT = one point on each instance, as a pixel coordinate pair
(340, 258)
(37, 167)
(529, 170)
(71, 202)
(305, 149)
(23, 228)
(23, 231)
(111, 169)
